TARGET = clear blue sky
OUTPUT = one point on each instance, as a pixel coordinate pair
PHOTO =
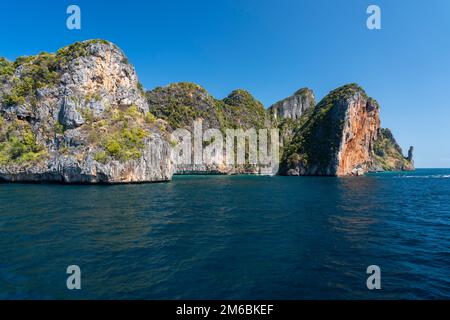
(271, 48)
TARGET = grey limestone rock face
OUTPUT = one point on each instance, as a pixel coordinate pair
(337, 137)
(68, 118)
(152, 166)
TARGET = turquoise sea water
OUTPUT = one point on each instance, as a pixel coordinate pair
(220, 237)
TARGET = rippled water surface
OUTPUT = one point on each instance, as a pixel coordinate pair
(219, 237)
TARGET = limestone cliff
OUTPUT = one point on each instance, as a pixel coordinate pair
(294, 106)
(286, 114)
(78, 116)
(81, 116)
(338, 137)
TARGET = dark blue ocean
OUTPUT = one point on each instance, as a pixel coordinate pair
(221, 237)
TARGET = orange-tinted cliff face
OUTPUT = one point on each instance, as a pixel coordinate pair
(341, 136)
(336, 138)
(362, 123)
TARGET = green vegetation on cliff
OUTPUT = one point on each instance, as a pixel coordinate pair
(77, 50)
(241, 110)
(18, 144)
(182, 103)
(36, 72)
(39, 71)
(6, 68)
(119, 134)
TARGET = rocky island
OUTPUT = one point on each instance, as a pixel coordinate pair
(80, 115)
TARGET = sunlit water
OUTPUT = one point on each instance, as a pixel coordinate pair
(219, 237)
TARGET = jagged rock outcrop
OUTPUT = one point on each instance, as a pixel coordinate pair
(337, 137)
(294, 106)
(79, 116)
(387, 154)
